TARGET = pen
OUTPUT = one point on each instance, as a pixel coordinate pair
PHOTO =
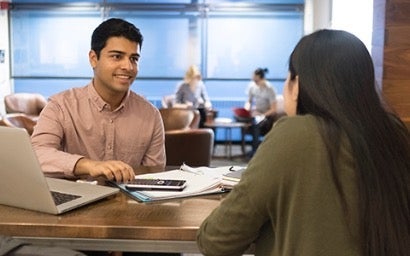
(231, 169)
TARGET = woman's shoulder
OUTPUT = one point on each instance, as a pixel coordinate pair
(297, 134)
(293, 148)
(182, 85)
(299, 125)
(290, 149)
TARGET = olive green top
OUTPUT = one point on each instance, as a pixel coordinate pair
(287, 202)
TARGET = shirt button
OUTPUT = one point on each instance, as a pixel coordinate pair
(111, 121)
(109, 147)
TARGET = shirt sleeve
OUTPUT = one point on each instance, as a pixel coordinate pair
(204, 93)
(155, 155)
(47, 141)
(249, 89)
(179, 95)
(232, 227)
(272, 95)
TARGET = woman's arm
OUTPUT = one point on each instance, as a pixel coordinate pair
(181, 100)
(205, 97)
(231, 228)
(236, 224)
(179, 95)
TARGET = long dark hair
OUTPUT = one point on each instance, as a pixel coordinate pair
(337, 85)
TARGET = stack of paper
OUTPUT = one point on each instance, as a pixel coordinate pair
(229, 180)
(200, 181)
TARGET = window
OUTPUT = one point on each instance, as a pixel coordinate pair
(227, 39)
(50, 44)
(170, 42)
(238, 45)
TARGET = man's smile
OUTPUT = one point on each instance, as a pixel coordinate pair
(123, 76)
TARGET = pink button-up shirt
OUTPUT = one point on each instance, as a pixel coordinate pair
(79, 123)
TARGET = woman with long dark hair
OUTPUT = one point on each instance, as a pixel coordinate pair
(332, 178)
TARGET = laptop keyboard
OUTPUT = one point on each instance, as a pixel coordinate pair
(61, 198)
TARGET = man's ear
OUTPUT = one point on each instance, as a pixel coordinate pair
(295, 89)
(93, 59)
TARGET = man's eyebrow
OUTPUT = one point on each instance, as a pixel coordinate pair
(123, 53)
(115, 51)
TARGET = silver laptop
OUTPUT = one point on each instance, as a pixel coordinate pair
(23, 184)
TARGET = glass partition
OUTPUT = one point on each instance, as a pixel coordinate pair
(50, 41)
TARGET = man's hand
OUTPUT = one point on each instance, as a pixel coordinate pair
(111, 170)
(148, 169)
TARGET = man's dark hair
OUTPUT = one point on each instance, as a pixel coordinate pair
(114, 28)
(261, 72)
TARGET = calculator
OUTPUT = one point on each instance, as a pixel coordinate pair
(156, 184)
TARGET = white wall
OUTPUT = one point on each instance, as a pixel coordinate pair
(318, 15)
(350, 15)
(355, 17)
(5, 84)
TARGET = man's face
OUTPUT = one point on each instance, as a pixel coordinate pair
(257, 79)
(117, 67)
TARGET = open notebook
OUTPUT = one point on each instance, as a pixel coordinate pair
(200, 181)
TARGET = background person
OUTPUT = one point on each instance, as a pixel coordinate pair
(330, 179)
(261, 94)
(191, 93)
(103, 129)
(262, 105)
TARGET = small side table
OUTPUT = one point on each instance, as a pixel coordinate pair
(228, 124)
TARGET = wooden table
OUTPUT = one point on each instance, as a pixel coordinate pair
(228, 126)
(115, 224)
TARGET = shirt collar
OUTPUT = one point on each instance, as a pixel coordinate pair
(100, 103)
(124, 101)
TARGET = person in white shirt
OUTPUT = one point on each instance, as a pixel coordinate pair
(262, 105)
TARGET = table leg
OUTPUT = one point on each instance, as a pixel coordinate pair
(243, 140)
(229, 138)
(213, 150)
(226, 141)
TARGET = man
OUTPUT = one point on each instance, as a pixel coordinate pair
(262, 94)
(103, 129)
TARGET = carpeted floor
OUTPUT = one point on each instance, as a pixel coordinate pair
(220, 156)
